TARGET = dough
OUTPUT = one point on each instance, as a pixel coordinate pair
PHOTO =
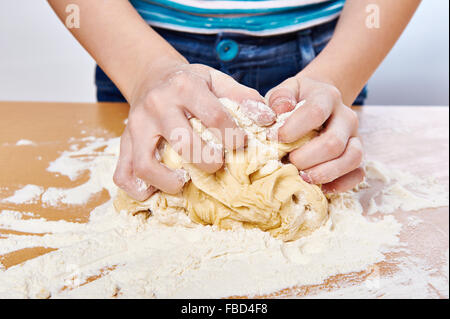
(254, 189)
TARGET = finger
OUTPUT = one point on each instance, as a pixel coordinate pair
(330, 144)
(252, 103)
(205, 106)
(260, 113)
(145, 164)
(180, 135)
(124, 176)
(283, 98)
(314, 112)
(332, 170)
(346, 182)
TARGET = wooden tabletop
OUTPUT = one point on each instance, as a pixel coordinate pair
(414, 139)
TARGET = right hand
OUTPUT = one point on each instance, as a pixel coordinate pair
(160, 108)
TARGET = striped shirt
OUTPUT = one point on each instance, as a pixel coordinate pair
(254, 17)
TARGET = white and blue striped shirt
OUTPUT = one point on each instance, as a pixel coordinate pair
(254, 17)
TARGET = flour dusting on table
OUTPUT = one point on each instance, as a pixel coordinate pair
(25, 142)
(404, 190)
(136, 256)
(26, 195)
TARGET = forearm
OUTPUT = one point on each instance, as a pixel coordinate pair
(356, 50)
(119, 40)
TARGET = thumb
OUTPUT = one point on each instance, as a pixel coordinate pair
(283, 98)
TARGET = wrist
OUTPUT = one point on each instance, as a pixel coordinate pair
(342, 75)
(319, 71)
(152, 72)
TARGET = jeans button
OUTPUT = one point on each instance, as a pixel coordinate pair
(227, 50)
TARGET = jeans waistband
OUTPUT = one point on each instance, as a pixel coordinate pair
(204, 45)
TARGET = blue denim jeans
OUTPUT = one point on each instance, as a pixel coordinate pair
(257, 62)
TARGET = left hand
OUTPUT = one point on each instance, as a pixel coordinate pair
(334, 157)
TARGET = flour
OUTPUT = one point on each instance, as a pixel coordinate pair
(282, 118)
(183, 175)
(254, 132)
(140, 257)
(75, 162)
(413, 280)
(26, 195)
(404, 191)
(141, 184)
(25, 142)
(414, 221)
(153, 260)
(257, 111)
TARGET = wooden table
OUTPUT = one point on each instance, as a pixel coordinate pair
(414, 139)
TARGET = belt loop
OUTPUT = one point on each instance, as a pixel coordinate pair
(219, 37)
(305, 47)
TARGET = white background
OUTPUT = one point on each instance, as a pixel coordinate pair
(40, 61)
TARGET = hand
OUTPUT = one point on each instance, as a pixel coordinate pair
(161, 107)
(333, 158)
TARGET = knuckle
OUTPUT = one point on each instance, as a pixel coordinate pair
(216, 118)
(143, 169)
(173, 190)
(152, 98)
(253, 93)
(357, 156)
(353, 118)
(284, 135)
(136, 119)
(318, 115)
(180, 81)
(213, 167)
(362, 173)
(133, 119)
(334, 145)
(317, 177)
(119, 179)
(154, 104)
(334, 92)
(293, 158)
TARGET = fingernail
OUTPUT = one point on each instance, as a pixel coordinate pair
(283, 99)
(306, 177)
(183, 176)
(327, 190)
(259, 112)
(283, 104)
